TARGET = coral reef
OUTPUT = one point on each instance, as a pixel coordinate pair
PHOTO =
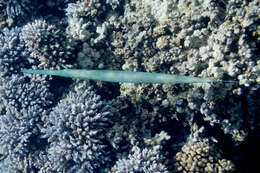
(84, 20)
(38, 45)
(201, 155)
(13, 54)
(145, 160)
(51, 124)
(76, 132)
(24, 92)
(18, 8)
(19, 11)
(20, 135)
(24, 103)
(92, 24)
(48, 45)
(193, 47)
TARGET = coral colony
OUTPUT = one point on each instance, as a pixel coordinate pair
(184, 95)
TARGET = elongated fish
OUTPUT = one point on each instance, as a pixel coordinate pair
(124, 76)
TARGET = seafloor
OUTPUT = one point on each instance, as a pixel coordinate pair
(54, 124)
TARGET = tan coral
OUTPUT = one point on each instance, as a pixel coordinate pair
(200, 156)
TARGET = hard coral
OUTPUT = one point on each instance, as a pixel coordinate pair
(25, 103)
(20, 8)
(198, 155)
(23, 92)
(83, 20)
(47, 44)
(141, 160)
(203, 43)
(92, 25)
(20, 135)
(20, 11)
(76, 133)
(12, 52)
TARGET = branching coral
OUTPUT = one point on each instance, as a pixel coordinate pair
(214, 39)
(19, 8)
(20, 134)
(201, 155)
(22, 10)
(23, 92)
(141, 160)
(47, 44)
(12, 52)
(76, 133)
(24, 107)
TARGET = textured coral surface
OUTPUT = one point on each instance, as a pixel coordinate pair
(52, 124)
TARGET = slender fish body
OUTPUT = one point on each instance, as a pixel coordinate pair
(122, 76)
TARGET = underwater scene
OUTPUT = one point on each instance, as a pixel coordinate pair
(129, 86)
